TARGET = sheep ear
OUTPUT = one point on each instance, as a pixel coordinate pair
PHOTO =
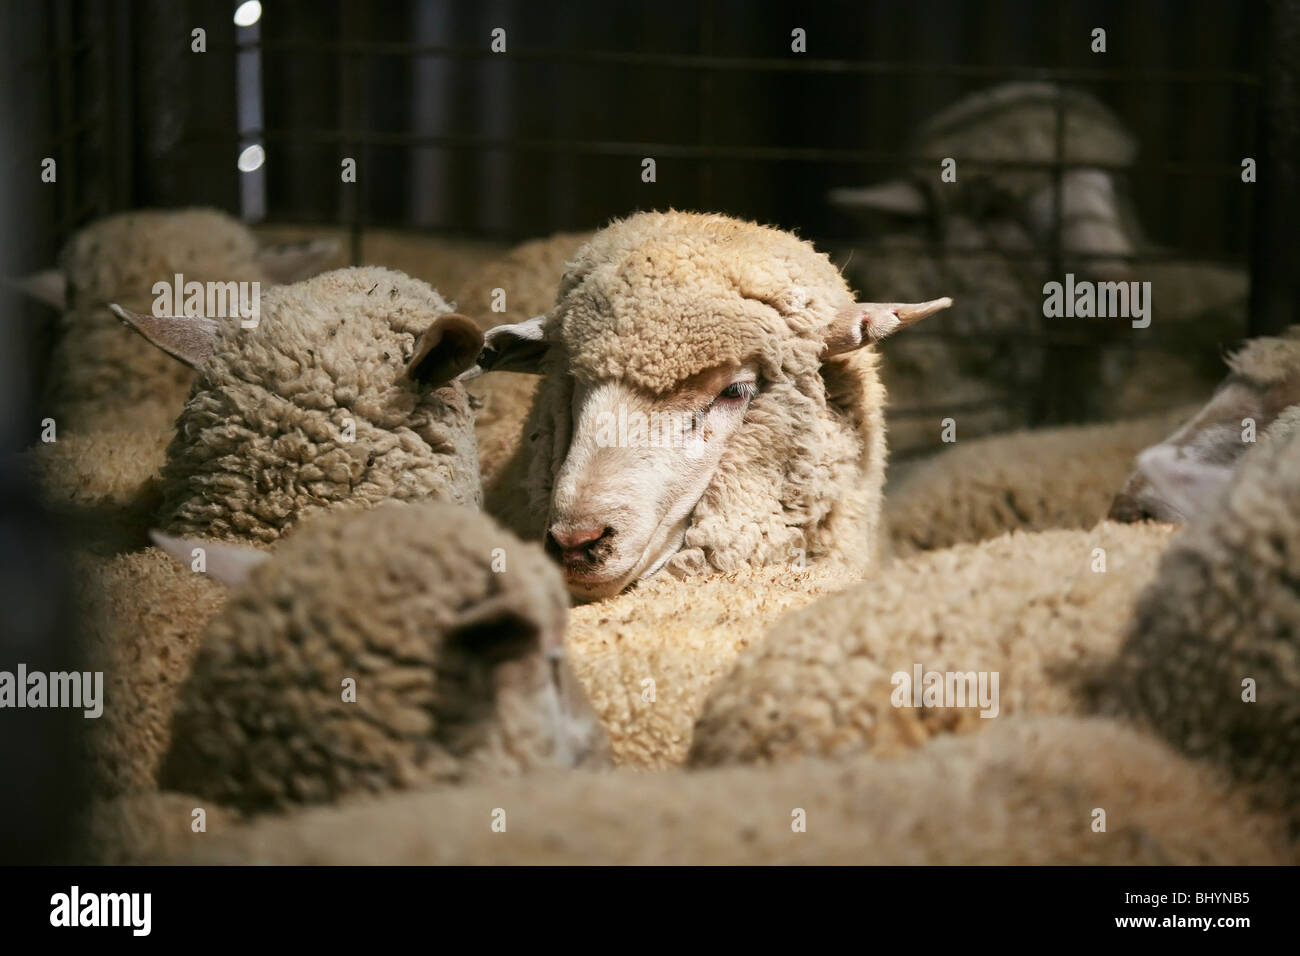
(514, 348)
(445, 350)
(49, 286)
(902, 197)
(191, 339)
(228, 563)
(288, 262)
(495, 630)
(868, 322)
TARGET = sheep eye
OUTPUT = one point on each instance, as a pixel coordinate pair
(737, 392)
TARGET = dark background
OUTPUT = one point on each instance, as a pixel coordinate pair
(453, 138)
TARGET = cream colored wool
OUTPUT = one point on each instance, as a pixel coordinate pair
(648, 657)
(1025, 792)
(443, 262)
(263, 440)
(96, 483)
(529, 276)
(1224, 610)
(439, 618)
(140, 615)
(1029, 607)
(1027, 481)
(103, 375)
(137, 827)
(657, 297)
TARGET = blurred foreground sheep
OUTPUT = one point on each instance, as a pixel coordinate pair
(1024, 792)
(375, 650)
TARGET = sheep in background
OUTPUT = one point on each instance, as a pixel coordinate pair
(1039, 611)
(442, 261)
(1184, 475)
(1024, 792)
(987, 243)
(446, 628)
(102, 377)
(516, 287)
(1031, 480)
(747, 340)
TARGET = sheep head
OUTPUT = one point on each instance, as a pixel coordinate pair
(1183, 476)
(373, 650)
(707, 402)
(344, 392)
(121, 257)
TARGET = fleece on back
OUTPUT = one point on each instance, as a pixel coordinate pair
(312, 409)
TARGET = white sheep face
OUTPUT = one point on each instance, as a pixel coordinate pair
(624, 472)
(637, 464)
(1185, 475)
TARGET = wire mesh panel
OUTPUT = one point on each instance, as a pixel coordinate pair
(509, 120)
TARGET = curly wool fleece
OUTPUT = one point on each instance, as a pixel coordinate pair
(446, 651)
(658, 297)
(266, 437)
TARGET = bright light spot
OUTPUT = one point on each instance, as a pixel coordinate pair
(252, 158)
(248, 13)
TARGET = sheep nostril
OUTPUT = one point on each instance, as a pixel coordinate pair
(575, 545)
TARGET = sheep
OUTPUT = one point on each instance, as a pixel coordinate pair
(707, 401)
(987, 236)
(1210, 661)
(344, 393)
(101, 485)
(102, 376)
(443, 262)
(1017, 122)
(1025, 792)
(140, 615)
(513, 288)
(1029, 480)
(1185, 474)
(1035, 612)
(395, 647)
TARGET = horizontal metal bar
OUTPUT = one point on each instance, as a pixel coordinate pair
(680, 61)
(684, 150)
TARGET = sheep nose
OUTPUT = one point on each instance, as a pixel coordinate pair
(575, 545)
(1125, 508)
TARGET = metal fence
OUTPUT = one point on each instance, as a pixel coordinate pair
(453, 137)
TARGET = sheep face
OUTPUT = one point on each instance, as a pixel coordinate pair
(375, 650)
(636, 466)
(706, 403)
(1186, 474)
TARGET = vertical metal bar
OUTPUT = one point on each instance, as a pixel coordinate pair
(704, 181)
(1275, 280)
(350, 113)
(249, 116)
(67, 167)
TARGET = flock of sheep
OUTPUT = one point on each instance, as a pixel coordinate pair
(327, 565)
